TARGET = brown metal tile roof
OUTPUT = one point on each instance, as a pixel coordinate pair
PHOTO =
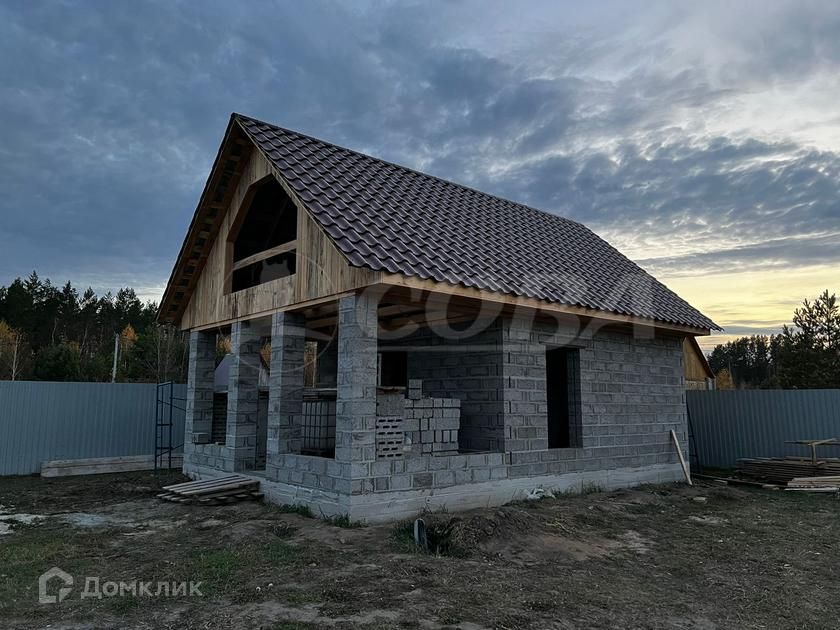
(390, 218)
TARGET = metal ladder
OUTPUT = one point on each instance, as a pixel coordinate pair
(165, 404)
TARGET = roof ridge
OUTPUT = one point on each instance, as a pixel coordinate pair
(413, 170)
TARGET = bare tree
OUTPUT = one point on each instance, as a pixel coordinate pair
(167, 352)
(12, 354)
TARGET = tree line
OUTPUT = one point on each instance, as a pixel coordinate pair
(805, 355)
(53, 333)
(56, 333)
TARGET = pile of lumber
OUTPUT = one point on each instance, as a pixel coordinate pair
(216, 491)
(101, 465)
(815, 484)
(782, 470)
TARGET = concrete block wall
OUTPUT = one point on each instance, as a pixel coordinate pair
(307, 471)
(243, 397)
(199, 452)
(285, 384)
(467, 368)
(361, 477)
(390, 417)
(199, 402)
(416, 425)
(631, 397)
(431, 425)
(525, 406)
(426, 473)
(356, 390)
(214, 456)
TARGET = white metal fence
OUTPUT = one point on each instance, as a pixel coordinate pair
(42, 421)
(728, 425)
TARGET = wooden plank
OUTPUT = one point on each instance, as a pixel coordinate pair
(783, 470)
(229, 488)
(103, 465)
(322, 271)
(399, 280)
(827, 489)
(292, 307)
(201, 482)
(220, 492)
(695, 365)
(221, 487)
(815, 479)
(269, 253)
(735, 481)
(682, 459)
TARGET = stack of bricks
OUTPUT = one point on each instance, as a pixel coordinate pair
(390, 413)
(431, 424)
(416, 425)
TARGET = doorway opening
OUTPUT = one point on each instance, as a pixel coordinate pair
(563, 396)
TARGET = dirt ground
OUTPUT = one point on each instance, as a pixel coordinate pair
(654, 557)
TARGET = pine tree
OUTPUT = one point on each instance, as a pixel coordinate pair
(61, 335)
(810, 350)
(806, 355)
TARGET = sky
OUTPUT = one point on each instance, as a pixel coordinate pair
(701, 139)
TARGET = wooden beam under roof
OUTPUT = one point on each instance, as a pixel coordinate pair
(507, 303)
(265, 254)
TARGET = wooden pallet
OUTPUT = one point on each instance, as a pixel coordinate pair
(218, 491)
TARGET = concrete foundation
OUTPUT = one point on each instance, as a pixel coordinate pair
(407, 504)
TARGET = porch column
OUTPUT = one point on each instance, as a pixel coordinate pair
(524, 396)
(285, 383)
(243, 398)
(355, 432)
(200, 375)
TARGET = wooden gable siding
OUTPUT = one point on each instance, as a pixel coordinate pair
(321, 269)
(695, 364)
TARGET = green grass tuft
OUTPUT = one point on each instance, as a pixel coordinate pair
(218, 568)
(281, 553)
(402, 538)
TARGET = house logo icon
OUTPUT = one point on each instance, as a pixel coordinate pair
(63, 591)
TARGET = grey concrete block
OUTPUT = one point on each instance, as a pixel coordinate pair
(423, 480)
(401, 482)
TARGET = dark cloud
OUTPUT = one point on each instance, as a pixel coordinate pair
(779, 255)
(111, 118)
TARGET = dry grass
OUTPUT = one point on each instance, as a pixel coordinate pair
(654, 557)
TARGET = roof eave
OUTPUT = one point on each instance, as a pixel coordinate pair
(165, 314)
(430, 284)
